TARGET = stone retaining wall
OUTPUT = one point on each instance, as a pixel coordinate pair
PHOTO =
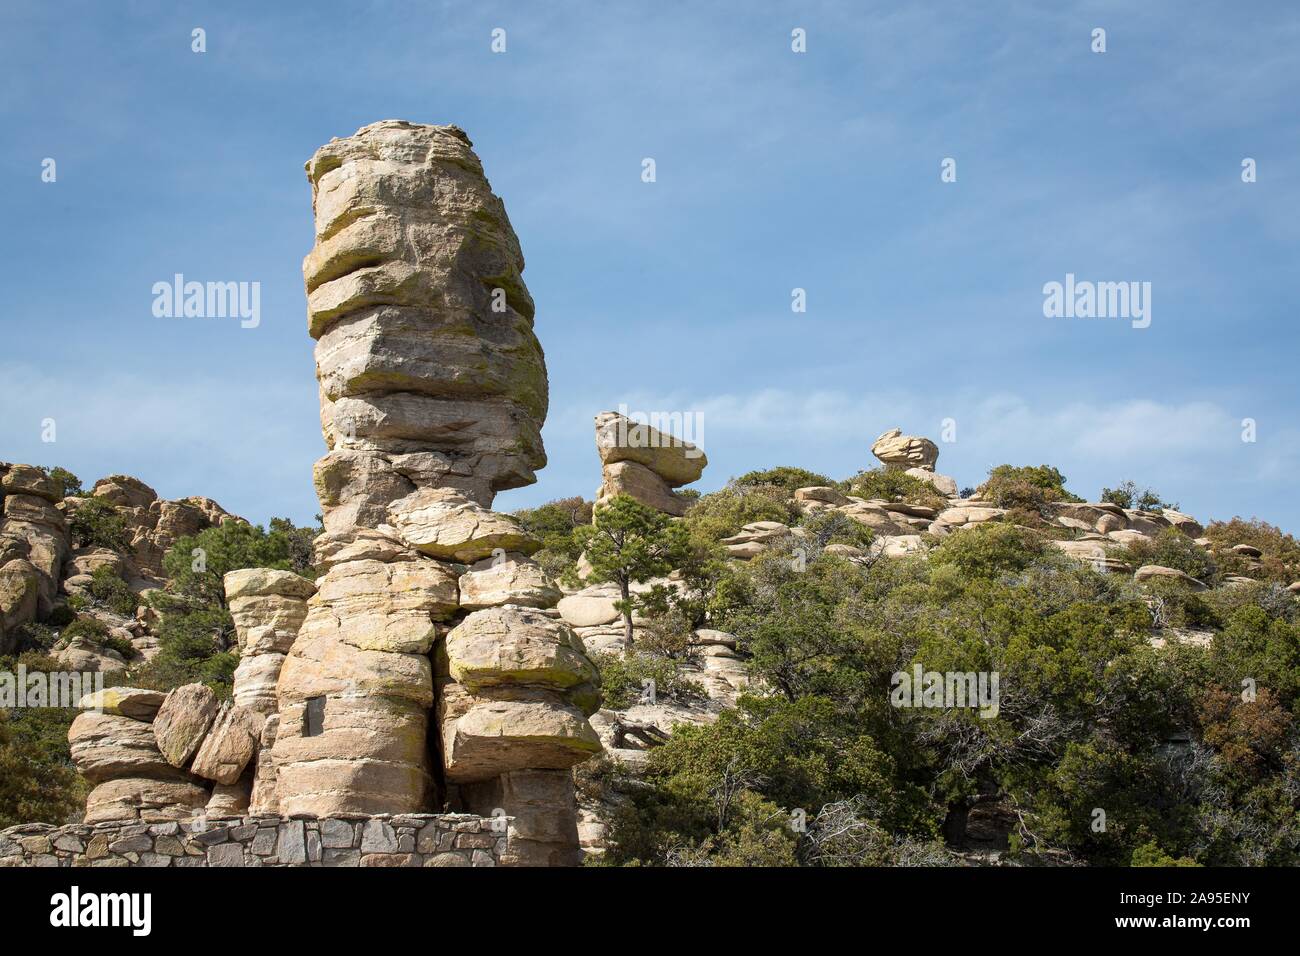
(454, 839)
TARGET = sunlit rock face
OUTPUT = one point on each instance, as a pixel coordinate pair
(430, 374)
(433, 392)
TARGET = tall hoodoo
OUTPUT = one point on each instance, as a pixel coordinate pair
(433, 393)
(430, 374)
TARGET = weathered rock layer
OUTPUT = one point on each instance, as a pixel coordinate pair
(430, 374)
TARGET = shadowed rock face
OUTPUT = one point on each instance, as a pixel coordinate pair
(430, 374)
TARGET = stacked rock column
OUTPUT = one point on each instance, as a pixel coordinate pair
(433, 393)
(356, 689)
(515, 689)
(268, 608)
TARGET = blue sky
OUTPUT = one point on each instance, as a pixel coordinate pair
(775, 170)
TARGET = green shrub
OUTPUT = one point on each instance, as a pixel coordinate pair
(623, 678)
(1043, 476)
(987, 550)
(1128, 495)
(784, 476)
(35, 637)
(111, 591)
(192, 647)
(1281, 551)
(97, 524)
(63, 614)
(71, 483)
(196, 564)
(558, 565)
(722, 514)
(196, 632)
(1017, 495)
(86, 628)
(37, 780)
(835, 527)
(553, 524)
(296, 544)
(896, 486)
(1269, 596)
(795, 623)
(668, 623)
(120, 644)
(1172, 549)
(1175, 604)
(1150, 854)
(725, 793)
(94, 631)
(1025, 486)
(1027, 493)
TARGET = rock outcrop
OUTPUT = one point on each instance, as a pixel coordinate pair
(157, 758)
(900, 452)
(645, 463)
(433, 392)
(268, 608)
(43, 565)
(356, 690)
(114, 746)
(154, 524)
(34, 543)
(1098, 528)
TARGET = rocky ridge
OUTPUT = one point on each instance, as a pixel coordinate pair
(45, 572)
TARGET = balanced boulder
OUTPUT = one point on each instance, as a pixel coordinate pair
(900, 452)
(645, 463)
(183, 721)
